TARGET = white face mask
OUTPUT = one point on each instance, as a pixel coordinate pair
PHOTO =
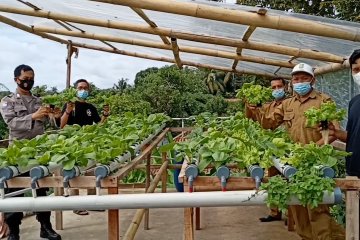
(356, 78)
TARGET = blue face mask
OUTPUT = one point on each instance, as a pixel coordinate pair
(82, 94)
(302, 88)
(278, 93)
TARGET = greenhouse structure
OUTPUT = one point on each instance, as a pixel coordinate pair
(196, 33)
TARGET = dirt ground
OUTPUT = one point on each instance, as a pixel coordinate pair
(240, 223)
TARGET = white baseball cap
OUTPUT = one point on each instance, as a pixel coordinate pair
(303, 67)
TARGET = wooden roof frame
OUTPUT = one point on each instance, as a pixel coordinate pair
(252, 19)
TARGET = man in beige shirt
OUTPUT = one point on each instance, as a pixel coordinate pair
(316, 223)
(278, 86)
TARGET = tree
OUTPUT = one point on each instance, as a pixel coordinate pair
(341, 9)
(121, 85)
(177, 92)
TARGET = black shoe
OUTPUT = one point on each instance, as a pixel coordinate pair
(270, 219)
(13, 236)
(47, 232)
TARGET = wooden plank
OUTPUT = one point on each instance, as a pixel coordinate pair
(203, 184)
(348, 183)
(113, 219)
(57, 181)
(352, 213)
(182, 172)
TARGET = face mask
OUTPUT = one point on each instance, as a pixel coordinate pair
(25, 84)
(356, 78)
(302, 88)
(278, 93)
(82, 94)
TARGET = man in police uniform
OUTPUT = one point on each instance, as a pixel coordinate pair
(316, 223)
(25, 116)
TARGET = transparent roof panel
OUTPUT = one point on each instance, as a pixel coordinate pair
(123, 14)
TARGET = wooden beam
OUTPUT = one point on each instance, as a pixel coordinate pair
(79, 182)
(141, 13)
(152, 44)
(284, 23)
(113, 219)
(273, 48)
(175, 49)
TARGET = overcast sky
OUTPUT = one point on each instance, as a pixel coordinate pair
(48, 61)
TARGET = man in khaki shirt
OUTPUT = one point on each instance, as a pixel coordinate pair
(24, 115)
(278, 86)
(316, 223)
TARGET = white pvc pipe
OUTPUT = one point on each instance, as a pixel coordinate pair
(154, 200)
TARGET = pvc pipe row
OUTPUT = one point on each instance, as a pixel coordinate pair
(154, 200)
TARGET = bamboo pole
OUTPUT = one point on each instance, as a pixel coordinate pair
(272, 48)
(152, 44)
(135, 223)
(248, 33)
(285, 23)
(332, 67)
(188, 63)
(25, 28)
(175, 49)
(152, 24)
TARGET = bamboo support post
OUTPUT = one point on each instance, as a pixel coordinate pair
(285, 23)
(165, 174)
(68, 64)
(135, 223)
(147, 184)
(113, 219)
(352, 212)
(175, 49)
(273, 48)
(141, 13)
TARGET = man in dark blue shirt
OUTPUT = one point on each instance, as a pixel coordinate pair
(352, 134)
